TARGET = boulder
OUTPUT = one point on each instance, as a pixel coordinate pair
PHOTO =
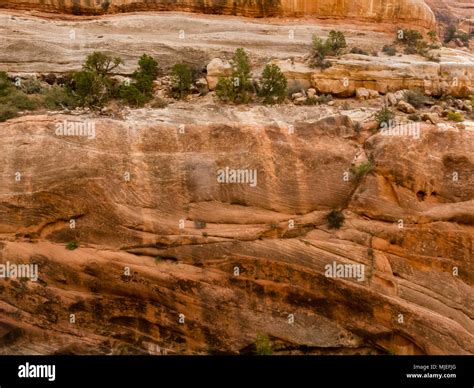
(405, 107)
(215, 69)
(436, 109)
(432, 117)
(390, 99)
(300, 100)
(362, 94)
(311, 92)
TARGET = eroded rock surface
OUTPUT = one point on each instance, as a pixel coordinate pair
(173, 207)
(414, 12)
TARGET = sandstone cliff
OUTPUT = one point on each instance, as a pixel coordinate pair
(410, 302)
(414, 12)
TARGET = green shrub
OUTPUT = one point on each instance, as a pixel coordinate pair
(132, 95)
(31, 86)
(182, 80)
(409, 37)
(320, 49)
(93, 86)
(335, 219)
(59, 97)
(199, 224)
(433, 35)
(7, 111)
(92, 89)
(336, 42)
(453, 33)
(263, 346)
(20, 100)
(71, 245)
(148, 65)
(5, 84)
(384, 116)
(144, 83)
(415, 97)
(274, 86)
(101, 64)
(238, 88)
(389, 50)
(455, 116)
(139, 92)
(362, 169)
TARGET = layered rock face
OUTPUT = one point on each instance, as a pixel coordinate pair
(449, 11)
(403, 11)
(453, 75)
(235, 259)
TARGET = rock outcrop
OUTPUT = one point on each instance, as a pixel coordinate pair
(414, 12)
(454, 74)
(159, 235)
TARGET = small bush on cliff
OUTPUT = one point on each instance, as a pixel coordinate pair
(333, 45)
(238, 87)
(71, 245)
(362, 170)
(415, 97)
(145, 75)
(433, 35)
(31, 86)
(336, 42)
(455, 116)
(389, 50)
(7, 111)
(132, 95)
(335, 219)
(94, 86)
(59, 97)
(148, 65)
(5, 84)
(140, 91)
(182, 80)
(408, 37)
(452, 33)
(263, 346)
(12, 100)
(274, 86)
(200, 224)
(92, 89)
(101, 64)
(384, 116)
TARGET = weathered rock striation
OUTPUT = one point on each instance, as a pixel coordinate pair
(414, 12)
(172, 206)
